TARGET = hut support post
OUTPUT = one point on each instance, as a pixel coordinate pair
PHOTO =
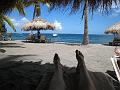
(114, 35)
(38, 34)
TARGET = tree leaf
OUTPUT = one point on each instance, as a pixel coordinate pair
(6, 19)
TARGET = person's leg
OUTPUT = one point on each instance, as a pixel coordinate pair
(84, 80)
(57, 81)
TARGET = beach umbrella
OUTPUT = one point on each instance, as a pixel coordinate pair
(38, 24)
(114, 29)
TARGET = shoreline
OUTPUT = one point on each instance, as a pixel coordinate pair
(65, 43)
(97, 56)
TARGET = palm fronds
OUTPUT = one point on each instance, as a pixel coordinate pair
(7, 6)
(6, 19)
(75, 5)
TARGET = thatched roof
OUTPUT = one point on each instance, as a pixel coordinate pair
(114, 29)
(38, 24)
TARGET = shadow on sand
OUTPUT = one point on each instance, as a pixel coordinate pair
(10, 45)
(19, 75)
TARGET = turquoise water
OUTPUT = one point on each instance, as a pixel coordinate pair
(69, 38)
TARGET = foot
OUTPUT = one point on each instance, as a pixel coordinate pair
(80, 59)
(57, 81)
(56, 61)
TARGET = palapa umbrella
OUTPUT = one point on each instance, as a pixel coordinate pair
(114, 29)
(37, 25)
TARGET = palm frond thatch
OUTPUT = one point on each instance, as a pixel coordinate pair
(114, 29)
(38, 24)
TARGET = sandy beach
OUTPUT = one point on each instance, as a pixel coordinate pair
(97, 56)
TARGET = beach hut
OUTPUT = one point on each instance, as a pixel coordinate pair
(114, 29)
(38, 24)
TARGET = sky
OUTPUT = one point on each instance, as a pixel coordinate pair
(68, 24)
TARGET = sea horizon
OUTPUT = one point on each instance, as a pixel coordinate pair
(68, 38)
(62, 33)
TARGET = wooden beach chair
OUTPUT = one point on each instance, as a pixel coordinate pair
(116, 67)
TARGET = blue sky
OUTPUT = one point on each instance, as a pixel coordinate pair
(72, 24)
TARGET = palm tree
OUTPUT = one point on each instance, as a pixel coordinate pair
(93, 5)
(85, 37)
(36, 4)
(7, 6)
(37, 9)
(104, 5)
(4, 18)
(16, 4)
(3, 32)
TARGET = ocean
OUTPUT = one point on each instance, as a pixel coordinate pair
(69, 38)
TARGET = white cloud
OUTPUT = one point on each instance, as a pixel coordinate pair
(13, 20)
(24, 19)
(58, 25)
(19, 23)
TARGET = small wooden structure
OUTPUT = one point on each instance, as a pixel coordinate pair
(115, 30)
(38, 24)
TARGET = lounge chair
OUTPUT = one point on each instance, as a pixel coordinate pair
(43, 39)
(115, 62)
(30, 38)
(114, 43)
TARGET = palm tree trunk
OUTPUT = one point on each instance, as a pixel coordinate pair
(86, 37)
(33, 16)
(34, 12)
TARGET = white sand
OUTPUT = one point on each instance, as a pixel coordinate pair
(97, 57)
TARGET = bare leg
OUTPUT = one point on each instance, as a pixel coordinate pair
(85, 82)
(80, 59)
(57, 82)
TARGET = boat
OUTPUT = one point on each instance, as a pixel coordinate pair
(55, 35)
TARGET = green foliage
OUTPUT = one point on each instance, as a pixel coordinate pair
(36, 4)
(20, 7)
(10, 36)
(6, 19)
(116, 40)
(3, 32)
